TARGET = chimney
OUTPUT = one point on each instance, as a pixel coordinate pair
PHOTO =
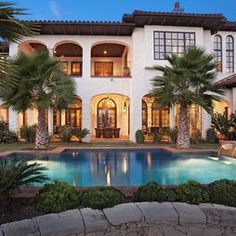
(177, 8)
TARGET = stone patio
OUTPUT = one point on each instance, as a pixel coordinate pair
(145, 219)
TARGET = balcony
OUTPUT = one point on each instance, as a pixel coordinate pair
(110, 69)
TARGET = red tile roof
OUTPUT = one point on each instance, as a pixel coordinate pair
(228, 82)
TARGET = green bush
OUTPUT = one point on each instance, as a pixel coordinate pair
(28, 133)
(80, 133)
(156, 138)
(223, 192)
(101, 197)
(170, 195)
(192, 192)
(66, 133)
(5, 134)
(149, 192)
(211, 136)
(139, 136)
(56, 197)
(173, 133)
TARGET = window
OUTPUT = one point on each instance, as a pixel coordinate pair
(160, 117)
(229, 54)
(76, 68)
(172, 42)
(218, 52)
(64, 67)
(103, 69)
(144, 115)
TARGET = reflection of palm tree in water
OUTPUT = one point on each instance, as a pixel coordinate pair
(75, 181)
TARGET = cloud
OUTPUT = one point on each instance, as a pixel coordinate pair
(53, 6)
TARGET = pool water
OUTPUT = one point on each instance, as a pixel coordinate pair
(134, 167)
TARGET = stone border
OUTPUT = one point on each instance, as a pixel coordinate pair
(146, 218)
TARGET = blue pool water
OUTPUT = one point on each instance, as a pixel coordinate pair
(134, 167)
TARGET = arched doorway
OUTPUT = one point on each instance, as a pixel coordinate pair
(70, 55)
(71, 117)
(106, 110)
(144, 116)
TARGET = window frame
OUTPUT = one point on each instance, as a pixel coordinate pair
(229, 54)
(184, 46)
(218, 50)
(71, 68)
(104, 62)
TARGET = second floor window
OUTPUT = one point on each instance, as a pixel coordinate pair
(76, 68)
(103, 69)
(64, 65)
(229, 54)
(218, 52)
(172, 42)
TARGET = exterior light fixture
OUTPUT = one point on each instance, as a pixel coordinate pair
(105, 52)
(125, 107)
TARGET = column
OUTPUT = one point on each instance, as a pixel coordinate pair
(86, 61)
(172, 117)
(86, 117)
(233, 100)
(13, 120)
(206, 122)
(135, 116)
(29, 117)
(50, 121)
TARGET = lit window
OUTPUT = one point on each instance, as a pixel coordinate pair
(76, 68)
(64, 67)
(218, 52)
(229, 54)
(103, 69)
(172, 42)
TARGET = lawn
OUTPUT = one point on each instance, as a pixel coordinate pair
(24, 146)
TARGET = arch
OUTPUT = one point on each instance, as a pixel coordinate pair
(229, 54)
(28, 47)
(112, 42)
(67, 48)
(221, 107)
(106, 113)
(218, 52)
(110, 59)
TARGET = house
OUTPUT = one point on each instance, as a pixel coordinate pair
(110, 63)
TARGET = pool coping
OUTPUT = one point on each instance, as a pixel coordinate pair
(59, 150)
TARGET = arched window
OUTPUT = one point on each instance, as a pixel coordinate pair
(144, 115)
(229, 54)
(106, 113)
(218, 52)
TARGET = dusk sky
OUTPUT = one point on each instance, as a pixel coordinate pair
(113, 9)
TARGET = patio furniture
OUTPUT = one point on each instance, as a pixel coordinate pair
(108, 132)
(98, 132)
(116, 132)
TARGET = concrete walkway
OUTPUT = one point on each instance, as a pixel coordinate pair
(146, 219)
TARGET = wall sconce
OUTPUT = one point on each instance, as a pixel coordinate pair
(125, 107)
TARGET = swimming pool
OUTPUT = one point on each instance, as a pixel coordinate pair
(134, 167)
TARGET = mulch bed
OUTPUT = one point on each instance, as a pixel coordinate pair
(21, 209)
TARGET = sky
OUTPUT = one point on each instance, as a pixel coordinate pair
(112, 10)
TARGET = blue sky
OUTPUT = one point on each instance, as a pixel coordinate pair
(113, 9)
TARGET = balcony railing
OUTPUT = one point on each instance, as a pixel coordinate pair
(110, 68)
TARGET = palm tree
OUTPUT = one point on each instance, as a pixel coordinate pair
(16, 173)
(188, 79)
(13, 29)
(36, 81)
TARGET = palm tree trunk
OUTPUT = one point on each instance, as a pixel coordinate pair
(41, 141)
(183, 140)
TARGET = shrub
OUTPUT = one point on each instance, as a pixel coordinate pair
(192, 192)
(28, 133)
(157, 138)
(149, 192)
(139, 136)
(211, 136)
(223, 192)
(101, 197)
(170, 195)
(56, 197)
(81, 133)
(173, 133)
(65, 133)
(196, 137)
(5, 134)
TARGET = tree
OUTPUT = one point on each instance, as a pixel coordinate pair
(16, 173)
(13, 29)
(186, 80)
(36, 81)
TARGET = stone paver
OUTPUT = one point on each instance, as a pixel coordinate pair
(154, 211)
(94, 220)
(123, 213)
(69, 222)
(190, 213)
(23, 227)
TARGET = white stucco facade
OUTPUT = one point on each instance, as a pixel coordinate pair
(131, 89)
